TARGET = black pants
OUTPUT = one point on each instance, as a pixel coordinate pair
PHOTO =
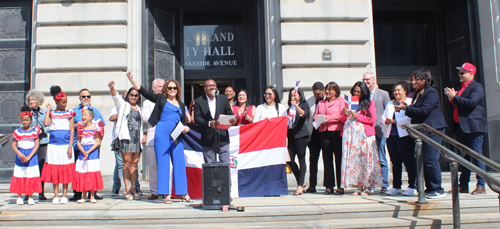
(42, 154)
(331, 144)
(314, 151)
(402, 151)
(298, 147)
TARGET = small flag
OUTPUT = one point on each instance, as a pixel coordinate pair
(351, 102)
(296, 87)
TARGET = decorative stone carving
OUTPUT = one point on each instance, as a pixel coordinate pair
(164, 65)
(12, 65)
(13, 23)
(10, 107)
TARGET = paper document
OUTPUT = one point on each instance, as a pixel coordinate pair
(224, 119)
(177, 131)
(318, 121)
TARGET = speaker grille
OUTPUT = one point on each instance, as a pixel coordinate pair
(216, 188)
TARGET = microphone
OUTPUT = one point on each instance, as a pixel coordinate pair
(215, 93)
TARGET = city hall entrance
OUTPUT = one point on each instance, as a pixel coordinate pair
(194, 40)
(438, 35)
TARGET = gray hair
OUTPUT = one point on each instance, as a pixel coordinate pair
(155, 82)
(35, 94)
(370, 73)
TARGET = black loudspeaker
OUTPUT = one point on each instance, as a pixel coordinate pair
(216, 187)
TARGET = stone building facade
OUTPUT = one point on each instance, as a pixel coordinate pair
(85, 44)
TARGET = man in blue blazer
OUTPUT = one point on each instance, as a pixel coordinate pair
(469, 116)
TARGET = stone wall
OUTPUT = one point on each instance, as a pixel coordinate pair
(86, 44)
(343, 27)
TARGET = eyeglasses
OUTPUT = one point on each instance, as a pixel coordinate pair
(172, 88)
(366, 79)
(211, 85)
(85, 96)
(268, 94)
(462, 73)
(133, 95)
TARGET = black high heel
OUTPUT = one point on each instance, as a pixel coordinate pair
(187, 200)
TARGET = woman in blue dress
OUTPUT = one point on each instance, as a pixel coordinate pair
(167, 113)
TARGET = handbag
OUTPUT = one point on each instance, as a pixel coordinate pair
(115, 144)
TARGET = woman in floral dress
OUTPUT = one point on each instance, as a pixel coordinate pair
(360, 159)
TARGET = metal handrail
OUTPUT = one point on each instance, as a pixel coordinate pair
(455, 159)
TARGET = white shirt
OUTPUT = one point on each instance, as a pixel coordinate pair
(147, 109)
(113, 112)
(211, 106)
(264, 111)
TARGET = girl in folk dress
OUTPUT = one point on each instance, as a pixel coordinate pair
(59, 166)
(26, 177)
(88, 175)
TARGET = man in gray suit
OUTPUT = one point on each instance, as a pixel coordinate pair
(380, 97)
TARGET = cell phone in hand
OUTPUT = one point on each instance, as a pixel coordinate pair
(397, 103)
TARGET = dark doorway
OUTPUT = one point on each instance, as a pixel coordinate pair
(438, 35)
(220, 39)
(15, 55)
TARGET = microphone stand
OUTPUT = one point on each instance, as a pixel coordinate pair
(217, 132)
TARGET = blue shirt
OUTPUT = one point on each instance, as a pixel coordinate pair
(78, 118)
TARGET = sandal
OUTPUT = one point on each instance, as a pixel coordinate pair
(187, 199)
(339, 191)
(328, 191)
(366, 193)
(357, 193)
(167, 199)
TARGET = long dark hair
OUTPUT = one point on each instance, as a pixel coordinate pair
(128, 92)
(247, 104)
(301, 94)
(364, 99)
(276, 98)
(426, 75)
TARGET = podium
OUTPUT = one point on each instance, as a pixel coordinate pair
(216, 186)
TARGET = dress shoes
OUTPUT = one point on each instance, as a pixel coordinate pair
(463, 190)
(310, 190)
(41, 196)
(478, 191)
(76, 196)
(153, 197)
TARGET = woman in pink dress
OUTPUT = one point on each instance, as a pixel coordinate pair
(243, 110)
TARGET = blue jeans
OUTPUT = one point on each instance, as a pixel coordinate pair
(432, 169)
(475, 142)
(383, 161)
(118, 175)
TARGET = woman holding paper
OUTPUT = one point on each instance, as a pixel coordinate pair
(298, 135)
(329, 112)
(129, 132)
(168, 113)
(399, 144)
(360, 160)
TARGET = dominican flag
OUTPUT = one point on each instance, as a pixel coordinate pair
(257, 159)
(351, 102)
(296, 87)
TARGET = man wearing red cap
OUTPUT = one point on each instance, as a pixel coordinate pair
(469, 116)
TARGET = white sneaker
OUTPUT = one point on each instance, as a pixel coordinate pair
(55, 200)
(19, 201)
(393, 191)
(436, 195)
(409, 192)
(31, 201)
(63, 200)
(81, 201)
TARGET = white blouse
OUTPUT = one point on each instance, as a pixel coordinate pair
(264, 111)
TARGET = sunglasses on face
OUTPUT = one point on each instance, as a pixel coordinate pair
(462, 73)
(172, 88)
(85, 96)
(134, 95)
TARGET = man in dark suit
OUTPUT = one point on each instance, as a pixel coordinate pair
(207, 109)
(469, 116)
(380, 97)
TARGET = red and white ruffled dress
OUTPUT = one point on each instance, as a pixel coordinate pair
(59, 168)
(88, 172)
(26, 177)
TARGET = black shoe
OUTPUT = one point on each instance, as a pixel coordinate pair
(139, 192)
(76, 196)
(26, 197)
(383, 190)
(310, 190)
(96, 197)
(115, 192)
(41, 196)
